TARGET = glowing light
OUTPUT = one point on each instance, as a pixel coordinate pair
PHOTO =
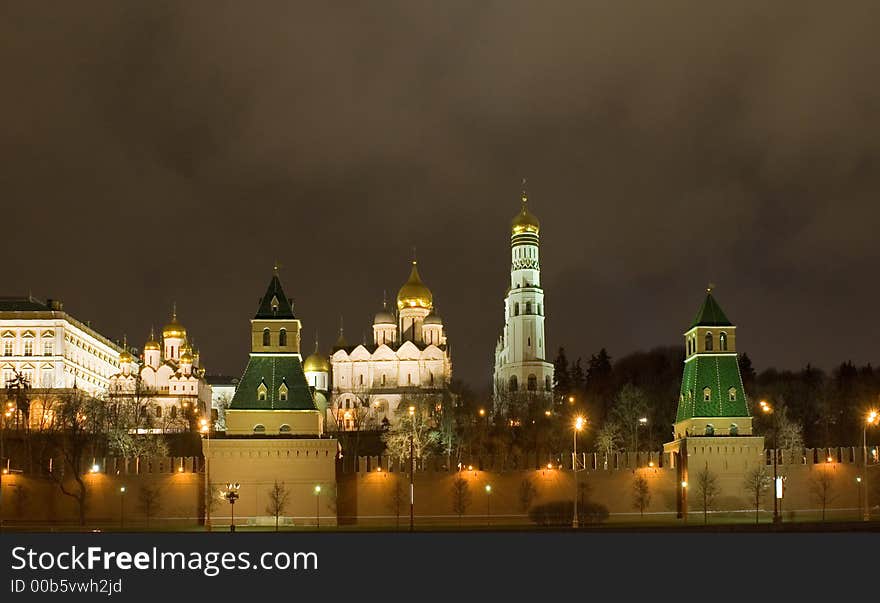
(317, 489)
(95, 468)
(579, 423)
(122, 489)
(470, 467)
(488, 489)
(482, 412)
(643, 420)
(547, 413)
(412, 410)
(549, 465)
(650, 463)
(684, 484)
(828, 460)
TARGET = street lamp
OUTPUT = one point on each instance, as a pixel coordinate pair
(579, 423)
(488, 511)
(412, 467)
(859, 482)
(122, 507)
(232, 496)
(205, 430)
(643, 421)
(777, 491)
(318, 506)
(872, 419)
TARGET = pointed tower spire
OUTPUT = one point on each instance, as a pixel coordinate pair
(173, 311)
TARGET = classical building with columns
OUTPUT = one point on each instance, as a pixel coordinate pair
(521, 367)
(407, 362)
(168, 379)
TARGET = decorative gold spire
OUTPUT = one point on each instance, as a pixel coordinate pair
(414, 293)
(525, 221)
(174, 329)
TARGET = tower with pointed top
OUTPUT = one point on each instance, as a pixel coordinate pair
(521, 368)
(713, 426)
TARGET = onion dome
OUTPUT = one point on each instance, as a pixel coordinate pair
(316, 363)
(125, 357)
(432, 319)
(525, 221)
(414, 293)
(186, 357)
(174, 329)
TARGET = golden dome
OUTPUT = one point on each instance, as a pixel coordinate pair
(186, 357)
(414, 293)
(174, 329)
(525, 221)
(316, 364)
(151, 345)
(125, 357)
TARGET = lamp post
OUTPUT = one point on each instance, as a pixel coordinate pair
(412, 468)
(777, 491)
(3, 466)
(488, 510)
(684, 503)
(232, 496)
(872, 419)
(205, 429)
(122, 507)
(579, 423)
(859, 488)
(318, 506)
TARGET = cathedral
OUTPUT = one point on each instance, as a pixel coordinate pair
(407, 362)
(521, 368)
(168, 379)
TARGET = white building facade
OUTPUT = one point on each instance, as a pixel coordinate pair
(53, 350)
(521, 367)
(408, 362)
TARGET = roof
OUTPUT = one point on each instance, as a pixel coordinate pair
(22, 304)
(711, 314)
(221, 380)
(273, 371)
(719, 374)
(274, 303)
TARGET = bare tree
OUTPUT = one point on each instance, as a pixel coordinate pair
(641, 494)
(76, 426)
(461, 497)
(756, 483)
(629, 407)
(396, 498)
(608, 440)
(527, 495)
(821, 489)
(708, 490)
(149, 501)
(278, 498)
(130, 420)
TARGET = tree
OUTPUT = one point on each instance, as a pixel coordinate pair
(578, 378)
(600, 379)
(527, 494)
(561, 381)
(708, 490)
(424, 437)
(129, 419)
(149, 501)
(630, 406)
(278, 499)
(821, 489)
(396, 498)
(608, 439)
(77, 424)
(461, 497)
(756, 483)
(641, 494)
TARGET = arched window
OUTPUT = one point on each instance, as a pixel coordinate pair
(282, 392)
(528, 307)
(360, 379)
(516, 309)
(266, 338)
(431, 378)
(383, 379)
(533, 383)
(708, 342)
(282, 338)
(707, 394)
(262, 392)
(731, 394)
(722, 341)
(513, 384)
(547, 384)
(710, 430)
(158, 412)
(284, 428)
(173, 412)
(734, 429)
(259, 428)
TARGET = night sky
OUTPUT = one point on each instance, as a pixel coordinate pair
(158, 151)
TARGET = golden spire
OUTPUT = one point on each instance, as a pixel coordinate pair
(524, 221)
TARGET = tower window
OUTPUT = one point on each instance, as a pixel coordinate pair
(266, 338)
(533, 383)
(539, 309)
(528, 307)
(709, 342)
(282, 392)
(516, 309)
(547, 384)
(282, 337)
(432, 378)
(722, 342)
(383, 379)
(360, 379)
(731, 394)
(707, 394)
(158, 412)
(513, 384)
(173, 412)
(529, 341)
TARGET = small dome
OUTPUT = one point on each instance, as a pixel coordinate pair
(152, 345)
(316, 364)
(125, 357)
(414, 293)
(525, 221)
(186, 358)
(384, 318)
(433, 319)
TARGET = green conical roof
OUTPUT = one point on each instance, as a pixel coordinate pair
(711, 314)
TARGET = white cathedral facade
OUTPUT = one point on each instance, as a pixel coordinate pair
(521, 367)
(408, 362)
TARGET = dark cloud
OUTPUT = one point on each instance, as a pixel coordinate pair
(171, 151)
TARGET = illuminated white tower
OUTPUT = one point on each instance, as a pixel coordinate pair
(521, 368)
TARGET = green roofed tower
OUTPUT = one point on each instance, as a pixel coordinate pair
(712, 400)
(273, 397)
